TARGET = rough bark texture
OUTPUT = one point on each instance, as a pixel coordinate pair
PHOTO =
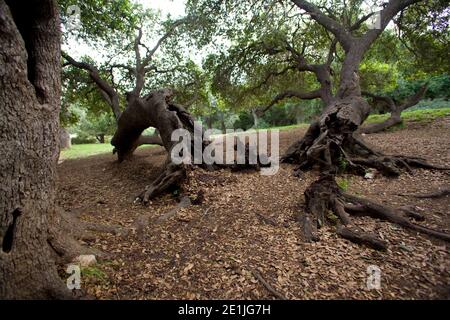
(29, 134)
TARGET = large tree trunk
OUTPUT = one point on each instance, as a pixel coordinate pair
(29, 131)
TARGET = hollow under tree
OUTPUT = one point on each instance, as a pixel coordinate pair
(333, 139)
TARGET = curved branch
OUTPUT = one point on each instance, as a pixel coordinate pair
(171, 30)
(363, 19)
(142, 65)
(108, 92)
(343, 36)
(386, 99)
(395, 109)
(414, 99)
(270, 75)
(289, 94)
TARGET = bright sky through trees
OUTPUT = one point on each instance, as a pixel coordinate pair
(174, 8)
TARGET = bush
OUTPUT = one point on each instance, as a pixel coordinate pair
(244, 122)
(83, 138)
(279, 116)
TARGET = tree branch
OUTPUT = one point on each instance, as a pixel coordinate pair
(270, 75)
(386, 99)
(290, 94)
(343, 36)
(108, 92)
(171, 30)
(414, 99)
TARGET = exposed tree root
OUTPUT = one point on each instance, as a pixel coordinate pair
(349, 154)
(66, 232)
(158, 111)
(172, 175)
(266, 285)
(360, 237)
(410, 212)
(436, 194)
(334, 145)
(324, 195)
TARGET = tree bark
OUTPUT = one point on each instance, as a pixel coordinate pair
(255, 116)
(29, 131)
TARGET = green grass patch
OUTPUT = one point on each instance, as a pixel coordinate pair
(86, 150)
(89, 149)
(343, 183)
(421, 115)
(94, 273)
(289, 127)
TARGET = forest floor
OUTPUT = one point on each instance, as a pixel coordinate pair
(247, 224)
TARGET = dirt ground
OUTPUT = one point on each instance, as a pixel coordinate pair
(246, 223)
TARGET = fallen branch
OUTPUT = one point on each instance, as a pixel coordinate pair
(435, 194)
(266, 285)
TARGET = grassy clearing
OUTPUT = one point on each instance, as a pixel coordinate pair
(289, 127)
(422, 115)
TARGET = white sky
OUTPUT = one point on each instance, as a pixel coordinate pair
(173, 7)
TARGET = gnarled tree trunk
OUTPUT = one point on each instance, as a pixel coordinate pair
(333, 143)
(154, 110)
(29, 134)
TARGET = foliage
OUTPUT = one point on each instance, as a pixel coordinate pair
(110, 28)
(90, 125)
(247, 63)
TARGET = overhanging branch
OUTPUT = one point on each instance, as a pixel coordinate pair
(107, 91)
(289, 94)
(343, 36)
